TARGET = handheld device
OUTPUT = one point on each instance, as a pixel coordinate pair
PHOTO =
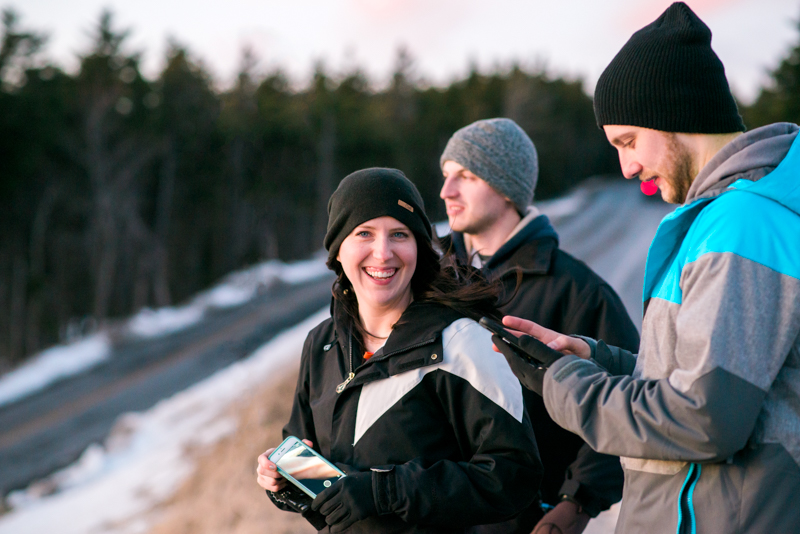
(546, 355)
(304, 467)
(499, 330)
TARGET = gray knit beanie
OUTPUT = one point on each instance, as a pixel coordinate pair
(501, 154)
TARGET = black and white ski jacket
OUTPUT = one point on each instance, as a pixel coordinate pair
(436, 409)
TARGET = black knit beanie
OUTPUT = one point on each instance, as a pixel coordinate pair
(668, 78)
(371, 193)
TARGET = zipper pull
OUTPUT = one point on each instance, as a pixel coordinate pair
(343, 385)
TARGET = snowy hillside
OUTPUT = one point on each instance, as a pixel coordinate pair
(58, 362)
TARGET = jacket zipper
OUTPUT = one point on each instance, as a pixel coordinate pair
(687, 522)
(351, 375)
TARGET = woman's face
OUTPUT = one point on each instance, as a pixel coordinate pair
(379, 258)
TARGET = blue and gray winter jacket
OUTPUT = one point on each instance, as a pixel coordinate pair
(707, 417)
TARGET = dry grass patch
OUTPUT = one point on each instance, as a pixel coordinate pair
(222, 494)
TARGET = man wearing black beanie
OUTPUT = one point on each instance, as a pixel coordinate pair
(706, 419)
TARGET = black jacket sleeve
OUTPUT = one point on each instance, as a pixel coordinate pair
(301, 425)
(301, 421)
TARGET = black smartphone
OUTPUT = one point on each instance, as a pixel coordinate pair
(536, 352)
(499, 330)
(304, 467)
(513, 341)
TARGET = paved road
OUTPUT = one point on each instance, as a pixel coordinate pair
(49, 430)
(611, 231)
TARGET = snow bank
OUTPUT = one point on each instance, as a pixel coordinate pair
(144, 459)
(51, 365)
(237, 288)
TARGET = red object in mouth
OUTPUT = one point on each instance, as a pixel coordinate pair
(649, 187)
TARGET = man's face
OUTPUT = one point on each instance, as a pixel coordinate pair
(654, 155)
(473, 206)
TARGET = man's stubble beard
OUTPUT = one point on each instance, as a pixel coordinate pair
(681, 171)
(475, 227)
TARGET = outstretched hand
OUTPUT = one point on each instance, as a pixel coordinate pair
(538, 348)
(551, 338)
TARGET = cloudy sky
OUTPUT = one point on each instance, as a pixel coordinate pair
(444, 37)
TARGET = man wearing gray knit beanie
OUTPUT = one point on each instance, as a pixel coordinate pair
(502, 154)
(706, 417)
(490, 171)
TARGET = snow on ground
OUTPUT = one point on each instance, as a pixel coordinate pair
(237, 288)
(144, 459)
(141, 463)
(53, 364)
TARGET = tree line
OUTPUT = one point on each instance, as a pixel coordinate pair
(119, 192)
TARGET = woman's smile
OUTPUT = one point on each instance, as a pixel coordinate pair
(381, 275)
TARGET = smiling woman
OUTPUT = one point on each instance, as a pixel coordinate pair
(379, 258)
(400, 387)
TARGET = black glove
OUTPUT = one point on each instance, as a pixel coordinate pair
(347, 501)
(538, 352)
(532, 364)
(291, 498)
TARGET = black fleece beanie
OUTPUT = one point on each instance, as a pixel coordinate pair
(371, 193)
(668, 78)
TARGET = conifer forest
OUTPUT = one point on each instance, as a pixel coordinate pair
(119, 192)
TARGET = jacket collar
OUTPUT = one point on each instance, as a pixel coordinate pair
(750, 156)
(529, 249)
(761, 161)
(420, 324)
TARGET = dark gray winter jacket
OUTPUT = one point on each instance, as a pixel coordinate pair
(559, 292)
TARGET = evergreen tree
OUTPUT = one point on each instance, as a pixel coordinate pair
(186, 113)
(780, 102)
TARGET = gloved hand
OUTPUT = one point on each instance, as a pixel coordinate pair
(566, 518)
(291, 497)
(531, 375)
(347, 501)
(538, 351)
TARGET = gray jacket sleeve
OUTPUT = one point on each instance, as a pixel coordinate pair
(623, 416)
(718, 352)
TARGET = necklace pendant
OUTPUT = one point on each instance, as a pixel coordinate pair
(343, 385)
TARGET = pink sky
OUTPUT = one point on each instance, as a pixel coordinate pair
(646, 12)
(576, 38)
